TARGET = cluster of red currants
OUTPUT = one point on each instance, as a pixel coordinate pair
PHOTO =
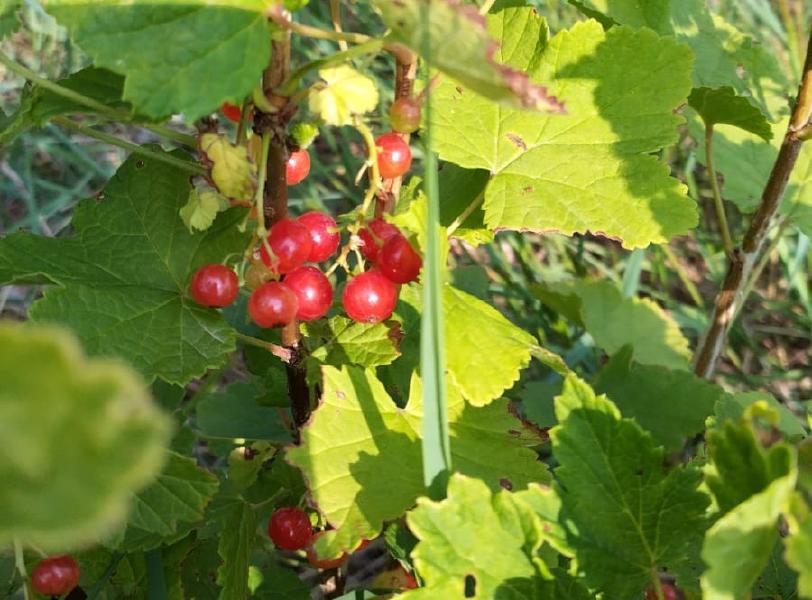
(289, 289)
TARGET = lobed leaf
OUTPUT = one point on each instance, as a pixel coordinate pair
(672, 405)
(170, 507)
(617, 535)
(75, 433)
(462, 48)
(620, 88)
(358, 431)
(121, 277)
(165, 50)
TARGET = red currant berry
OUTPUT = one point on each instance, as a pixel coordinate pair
(272, 304)
(55, 576)
(232, 112)
(327, 563)
(323, 233)
(394, 155)
(398, 261)
(374, 236)
(404, 115)
(290, 529)
(291, 244)
(370, 297)
(670, 592)
(313, 291)
(297, 167)
(214, 285)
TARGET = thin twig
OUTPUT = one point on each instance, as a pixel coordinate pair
(95, 105)
(335, 13)
(283, 354)
(718, 203)
(178, 163)
(282, 18)
(732, 293)
(475, 203)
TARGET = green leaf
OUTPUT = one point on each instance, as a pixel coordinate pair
(201, 209)
(740, 467)
(169, 508)
(8, 17)
(232, 170)
(122, 275)
(617, 533)
(472, 325)
(745, 161)
(614, 321)
(620, 88)
(738, 546)
(78, 436)
(349, 342)
(671, 405)
(717, 106)
(732, 407)
(459, 188)
(374, 436)
(777, 580)
(345, 92)
(280, 583)
(728, 65)
(166, 50)
(473, 533)
(235, 413)
(235, 546)
(463, 49)
(38, 104)
(799, 545)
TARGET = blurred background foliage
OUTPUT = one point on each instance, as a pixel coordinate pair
(45, 172)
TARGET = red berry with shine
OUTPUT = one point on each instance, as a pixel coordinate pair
(273, 304)
(374, 235)
(232, 112)
(214, 285)
(398, 261)
(291, 244)
(290, 529)
(370, 297)
(326, 563)
(404, 115)
(297, 167)
(394, 155)
(55, 576)
(323, 233)
(670, 592)
(313, 292)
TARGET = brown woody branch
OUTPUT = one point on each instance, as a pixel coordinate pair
(743, 259)
(405, 71)
(275, 205)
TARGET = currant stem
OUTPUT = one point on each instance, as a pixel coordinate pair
(486, 7)
(718, 203)
(475, 203)
(292, 83)
(372, 163)
(335, 13)
(102, 109)
(19, 561)
(178, 163)
(280, 18)
(284, 354)
(657, 584)
(259, 198)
